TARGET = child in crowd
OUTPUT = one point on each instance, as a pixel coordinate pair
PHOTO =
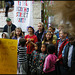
(31, 39)
(60, 46)
(35, 58)
(48, 38)
(61, 26)
(40, 32)
(18, 34)
(50, 61)
(42, 57)
(5, 35)
(22, 57)
(52, 29)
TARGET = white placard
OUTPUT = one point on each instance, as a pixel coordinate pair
(23, 14)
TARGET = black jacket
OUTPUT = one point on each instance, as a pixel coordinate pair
(5, 29)
(40, 36)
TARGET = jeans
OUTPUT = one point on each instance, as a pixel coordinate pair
(23, 68)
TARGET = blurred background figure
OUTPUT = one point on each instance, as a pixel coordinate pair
(8, 3)
(5, 35)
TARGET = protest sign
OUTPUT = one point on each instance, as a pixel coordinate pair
(23, 16)
(8, 56)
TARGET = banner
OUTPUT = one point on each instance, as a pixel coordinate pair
(23, 16)
(8, 56)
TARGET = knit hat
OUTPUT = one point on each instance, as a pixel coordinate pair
(31, 27)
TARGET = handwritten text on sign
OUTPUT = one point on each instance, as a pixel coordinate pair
(22, 11)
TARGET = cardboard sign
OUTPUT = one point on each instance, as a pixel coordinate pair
(8, 56)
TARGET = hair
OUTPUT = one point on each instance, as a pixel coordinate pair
(64, 31)
(12, 34)
(72, 38)
(22, 42)
(45, 46)
(52, 27)
(2, 35)
(6, 35)
(42, 26)
(51, 48)
(32, 28)
(21, 34)
(61, 25)
(39, 46)
(50, 40)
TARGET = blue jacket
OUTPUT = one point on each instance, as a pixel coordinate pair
(6, 28)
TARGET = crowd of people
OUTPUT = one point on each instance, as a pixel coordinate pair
(43, 52)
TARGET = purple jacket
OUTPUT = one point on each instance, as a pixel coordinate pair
(49, 64)
(14, 37)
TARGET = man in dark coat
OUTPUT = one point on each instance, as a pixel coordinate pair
(9, 27)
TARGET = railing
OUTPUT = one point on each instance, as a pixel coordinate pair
(1, 29)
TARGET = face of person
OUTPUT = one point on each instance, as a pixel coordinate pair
(59, 28)
(50, 29)
(8, 23)
(61, 34)
(40, 27)
(4, 35)
(43, 48)
(48, 35)
(18, 32)
(30, 30)
(36, 47)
